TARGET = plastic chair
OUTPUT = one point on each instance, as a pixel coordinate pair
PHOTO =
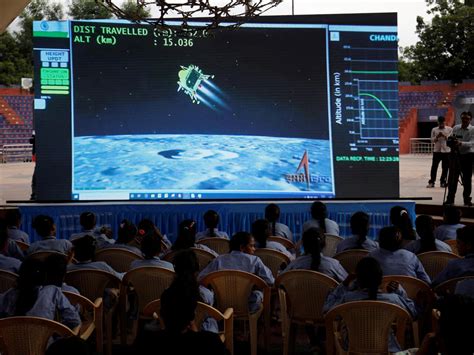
(288, 244)
(232, 289)
(219, 245)
(7, 280)
(92, 284)
(148, 282)
(449, 286)
(22, 245)
(302, 295)
(331, 243)
(43, 255)
(435, 261)
(453, 244)
(368, 325)
(203, 256)
(91, 317)
(118, 259)
(350, 258)
(203, 310)
(29, 335)
(273, 259)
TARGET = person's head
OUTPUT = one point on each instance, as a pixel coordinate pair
(465, 240)
(242, 241)
(314, 241)
(466, 118)
(360, 224)
(211, 219)
(13, 217)
(390, 238)
(178, 306)
(186, 264)
(369, 276)
(146, 225)
(127, 232)
(319, 212)
(87, 220)
(55, 267)
(44, 226)
(84, 248)
(72, 346)
(261, 231)
(425, 229)
(186, 235)
(400, 218)
(30, 276)
(452, 215)
(151, 245)
(272, 213)
(441, 121)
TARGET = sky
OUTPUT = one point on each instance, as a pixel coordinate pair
(407, 11)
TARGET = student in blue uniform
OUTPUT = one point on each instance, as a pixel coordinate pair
(272, 215)
(427, 242)
(46, 229)
(394, 260)
(7, 263)
(368, 279)
(56, 267)
(13, 217)
(146, 225)
(151, 248)
(211, 220)
(314, 241)
(126, 235)
(464, 266)
(88, 222)
(261, 231)
(31, 298)
(187, 238)
(399, 218)
(360, 227)
(319, 219)
(451, 223)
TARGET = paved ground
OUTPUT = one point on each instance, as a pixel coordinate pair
(15, 181)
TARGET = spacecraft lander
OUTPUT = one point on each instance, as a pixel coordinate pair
(190, 79)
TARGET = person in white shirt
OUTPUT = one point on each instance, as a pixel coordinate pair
(439, 136)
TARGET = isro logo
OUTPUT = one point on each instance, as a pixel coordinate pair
(305, 175)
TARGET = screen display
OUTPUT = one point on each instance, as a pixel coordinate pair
(281, 108)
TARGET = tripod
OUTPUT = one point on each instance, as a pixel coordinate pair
(455, 175)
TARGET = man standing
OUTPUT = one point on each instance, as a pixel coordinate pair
(439, 136)
(464, 134)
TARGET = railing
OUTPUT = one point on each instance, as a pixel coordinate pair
(16, 153)
(421, 146)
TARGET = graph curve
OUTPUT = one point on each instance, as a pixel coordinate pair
(378, 100)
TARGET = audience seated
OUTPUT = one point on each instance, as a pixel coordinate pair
(261, 231)
(399, 218)
(13, 218)
(187, 238)
(46, 229)
(7, 263)
(360, 227)
(151, 248)
(319, 219)
(211, 220)
(313, 259)
(464, 266)
(180, 336)
(272, 215)
(451, 223)
(394, 260)
(146, 225)
(31, 298)
(84, 252)
(368, 279)
(56, 268)
(427, 242)
(126, 235)
(242, 247)
(88, 222)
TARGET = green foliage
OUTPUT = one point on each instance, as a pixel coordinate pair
(445, 49)
(88, 10)
(12, 65)
(133, 11)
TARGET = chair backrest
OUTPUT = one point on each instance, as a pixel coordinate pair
(368, 325)
(7, 280)
(453, 244)
(149, 283)
(29, 335)
(449, 286)
(288, 244)
(305, 292)
(232, 289)
(92, 283)
(219, 245)
(331, 243)
(203, 256)
(43, 255)
(350, 258)
(22, 245)
(435, 261)
(411, 285)
(119, 259)
(273, 259)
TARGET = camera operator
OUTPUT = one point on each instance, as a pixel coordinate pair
(439, 136)
(463, 149)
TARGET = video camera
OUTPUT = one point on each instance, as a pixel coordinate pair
(452, 142)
